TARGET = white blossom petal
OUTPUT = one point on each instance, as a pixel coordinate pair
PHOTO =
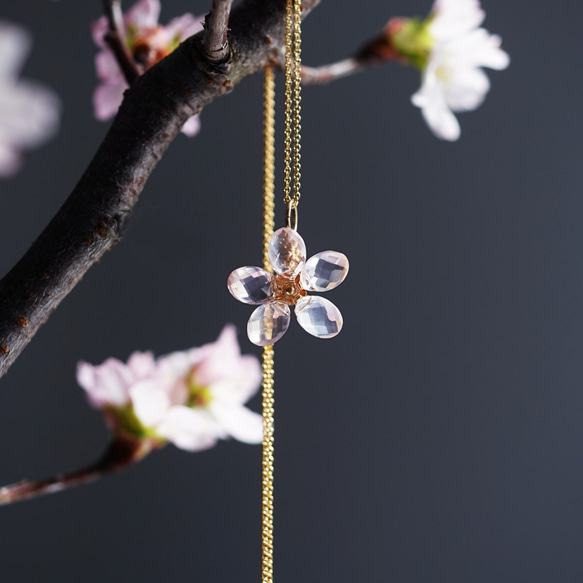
(106, 384)
(99, 28)
(107, 99)
(455, 17)
(144, 14)
(10, 160)
(29, 114)
(218, 357)
(438, 116)
(484, 50)
(239, 422)
(190, 429)
(184, 26)
(107, 68)
(142, 364)
(192, 126)
(178, 364)
(14, 48)
(150, 403)
(466, 89)
(239, 383)
(441, 121)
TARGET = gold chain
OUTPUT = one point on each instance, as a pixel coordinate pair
(268, 394)
(292, 177)
(268, 412)
(293, 104)
(268, 163)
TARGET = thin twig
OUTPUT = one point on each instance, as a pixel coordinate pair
(122, 453)
(326, 73)
(93, 218)
(115, 40)
(216, 27)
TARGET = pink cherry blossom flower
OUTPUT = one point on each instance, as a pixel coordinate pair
(191, 398)
(148, 42)
(29, 112)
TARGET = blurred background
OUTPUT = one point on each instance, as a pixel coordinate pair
(439, 438)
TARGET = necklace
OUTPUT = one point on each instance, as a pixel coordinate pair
(286, 276)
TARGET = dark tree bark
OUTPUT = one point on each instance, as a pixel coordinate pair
(216, 27)
(92, 219)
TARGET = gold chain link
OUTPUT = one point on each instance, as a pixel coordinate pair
(293, 104)
(268, 393)
(268, 451)
(288, 106)
(268, 163)
(297, 103)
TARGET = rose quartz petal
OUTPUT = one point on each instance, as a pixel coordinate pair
(250, 285)
(324, 271)
(319, 317)
(268, 323)
(287, 251)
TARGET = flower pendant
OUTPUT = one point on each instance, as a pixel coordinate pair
(292, 278)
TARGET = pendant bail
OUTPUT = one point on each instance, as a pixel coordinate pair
(291, 216)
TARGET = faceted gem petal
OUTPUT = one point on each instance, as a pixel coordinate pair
(324, 271)
(250, 285)
(319, 317)
(287, 251)
(268, 323)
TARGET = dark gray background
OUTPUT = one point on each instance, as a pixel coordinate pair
(439, 438)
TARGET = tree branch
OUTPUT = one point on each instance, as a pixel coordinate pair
(216, 45)
(122, 453)
(114, 39)
(154, 110)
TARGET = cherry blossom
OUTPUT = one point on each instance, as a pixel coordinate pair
(450, 48)
(29, 112)
(288, 286)
(190, 398)
(148, 42)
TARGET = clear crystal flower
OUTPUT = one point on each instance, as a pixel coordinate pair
(292, 278)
